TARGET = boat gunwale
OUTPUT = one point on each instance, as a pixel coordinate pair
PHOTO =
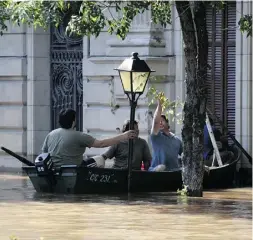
(136, 171)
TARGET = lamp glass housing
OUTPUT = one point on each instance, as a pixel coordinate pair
(134, 82)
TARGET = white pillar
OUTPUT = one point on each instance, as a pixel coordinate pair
(180, 66)
(13, 85)
(244, 84)
(38, 89)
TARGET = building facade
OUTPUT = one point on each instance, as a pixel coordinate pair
(43, 72)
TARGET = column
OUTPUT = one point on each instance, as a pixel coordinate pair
(38, 89)
(180, 68)
(244, 85)
(13, 84)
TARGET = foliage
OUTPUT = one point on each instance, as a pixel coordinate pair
(83, 17)
(117, 16)
(37, 13)
(169, 107)
(217, 4)
(183, 191)
(245, 24)
(13, 237)
(91, 17)
(4, 16)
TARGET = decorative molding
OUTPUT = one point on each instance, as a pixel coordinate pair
(98, 78)
(118, 59)
(136, 41)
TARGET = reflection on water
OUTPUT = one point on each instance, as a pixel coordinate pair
(225, 214)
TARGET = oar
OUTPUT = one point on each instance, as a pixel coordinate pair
(21, 159)
(231, 135)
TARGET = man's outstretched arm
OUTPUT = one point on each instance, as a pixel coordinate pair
(157, 118)
(114, 140)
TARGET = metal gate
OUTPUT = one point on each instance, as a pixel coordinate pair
(66, 75)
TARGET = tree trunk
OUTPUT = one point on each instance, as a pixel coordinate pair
(193, 23)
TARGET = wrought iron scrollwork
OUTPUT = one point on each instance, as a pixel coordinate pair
(66, 75)
(61, 39)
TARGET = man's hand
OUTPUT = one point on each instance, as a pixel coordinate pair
(129, 135)
(161, 99)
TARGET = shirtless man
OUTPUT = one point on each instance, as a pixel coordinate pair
(166, 146)
(67, 146)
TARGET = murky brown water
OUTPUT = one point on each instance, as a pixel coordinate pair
(28, 215)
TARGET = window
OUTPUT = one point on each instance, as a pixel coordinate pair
(221, 27)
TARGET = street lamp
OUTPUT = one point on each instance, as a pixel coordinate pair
(134, 74)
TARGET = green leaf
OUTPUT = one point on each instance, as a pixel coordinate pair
(245, 24)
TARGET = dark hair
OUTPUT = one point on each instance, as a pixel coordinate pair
(66, 118)
(126, 125)
(165, 118)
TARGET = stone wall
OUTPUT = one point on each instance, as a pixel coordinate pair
(13, 94)
(244, 76)
(24, 92)
(38, 89)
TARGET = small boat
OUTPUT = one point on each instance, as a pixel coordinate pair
(72, 179)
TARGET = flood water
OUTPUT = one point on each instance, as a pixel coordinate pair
(27, 215)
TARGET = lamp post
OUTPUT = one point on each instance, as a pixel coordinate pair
(134, 74)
